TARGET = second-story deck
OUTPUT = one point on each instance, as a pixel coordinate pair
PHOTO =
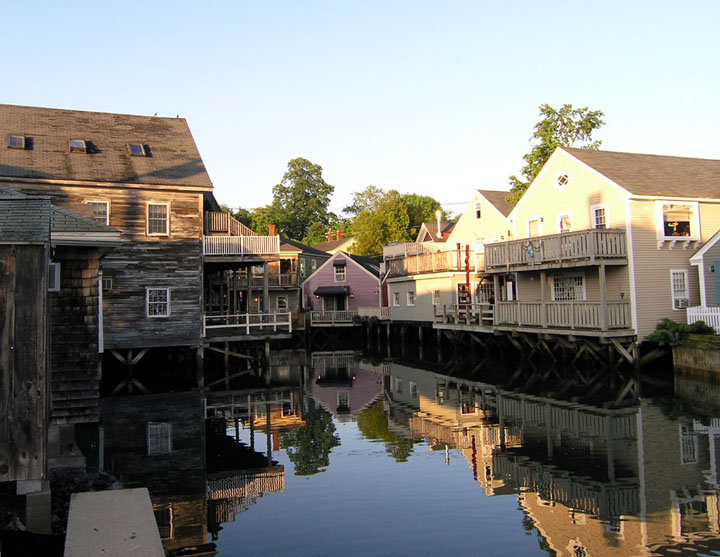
(584, 247)
(226, 236)
(438, 262)
(406, 249)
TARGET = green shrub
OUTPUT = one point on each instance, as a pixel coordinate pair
(671, 333)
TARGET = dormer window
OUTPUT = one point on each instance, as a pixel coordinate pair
(136, 150)
(77, 145)
(16, 142)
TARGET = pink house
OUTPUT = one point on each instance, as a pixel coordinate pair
(340, 286)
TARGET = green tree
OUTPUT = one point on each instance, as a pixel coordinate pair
(420, 208)
(388, 223)
(301, 199)
(309, 446)
(373, 424)
(567, 127)
(244, 216)
(365, 200)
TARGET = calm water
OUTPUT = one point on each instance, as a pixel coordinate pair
(390, 459)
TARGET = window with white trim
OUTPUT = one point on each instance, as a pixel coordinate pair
(54, 277)
(282, 304)
(411, 298)
(313, 265)
(398, 385)
(100, 211)
(478, 209)
(679, 286)
(302, 269)
(107, 283)
(340, 273)
(678, 220)
(599, 216)
(568, 288)
(436, 297)
(564, 221)
(157, 302)
(158, 219)
(534, 227)
(77, 145)
(159, 438)
(396, 299)
(16, 141)
(413, 389)
(164, 520)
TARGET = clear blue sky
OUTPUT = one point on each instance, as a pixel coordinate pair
(436, 98)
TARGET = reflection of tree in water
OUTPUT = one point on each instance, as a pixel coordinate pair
(373, 424)
(308, 447)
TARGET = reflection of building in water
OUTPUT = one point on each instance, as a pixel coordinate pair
(593, 480)
(158, 441)
(342, 383)
(231, 495)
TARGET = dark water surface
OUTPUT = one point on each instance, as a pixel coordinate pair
(331, 453)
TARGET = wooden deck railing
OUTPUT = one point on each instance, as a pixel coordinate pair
(569, 246)
(248, 323)
(565, 315)
(441, 261)
(274, 279)
(225, 224)
(411, 248)
(381, 313)
(465, 314)
(332, 317)
(241, 245)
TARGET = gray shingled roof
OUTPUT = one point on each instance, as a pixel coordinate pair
(366, 263)
(174, 158)
(655, 175)
(291, 245)
(66, 221)
(332, 244)
(24, 219)
(497, 198)
(431, 227)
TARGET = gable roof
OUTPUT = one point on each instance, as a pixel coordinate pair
(334, 244)
(430, 227)
(655, 175)
(497, 198)
(366, 263)
(287, 245)
(173, 156)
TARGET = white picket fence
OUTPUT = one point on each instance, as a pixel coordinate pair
(711, 316)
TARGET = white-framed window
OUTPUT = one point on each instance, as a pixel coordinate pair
(562, 179)
(679, 286)
(158, 219)
(568, 288)
(54, 277)
(478, 209)
(313, 265)
(688, 444)
(100, 211)
(106, 283)
(396, 299)
(411, 298)
(343, 400)
(302, 269)
(282, 304)
(564, 220)
(485, 293)
(159, 438)
(340, 273)
(436, 298)
(599, 214)
(677, 220)
(157, 302)
(534, 227)
(413, 389)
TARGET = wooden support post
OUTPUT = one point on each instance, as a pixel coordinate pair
(543, 296)
(200, 367)
(227, 365)
(266, 290)
(603, 298)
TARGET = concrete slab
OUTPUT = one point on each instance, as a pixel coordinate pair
(110, 523)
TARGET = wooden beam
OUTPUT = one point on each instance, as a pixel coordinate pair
(623, 352)
(230, 352)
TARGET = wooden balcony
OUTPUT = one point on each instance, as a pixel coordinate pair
(246, 324)
(406, 249)
(332, 318)
(580, 317)
(382, 313)
(585, 247)
(241, 245)
(224, 224)
(438, 262)
(274, 280)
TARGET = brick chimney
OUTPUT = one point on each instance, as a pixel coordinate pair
(271, 230)
(339, 235)
(331, 236)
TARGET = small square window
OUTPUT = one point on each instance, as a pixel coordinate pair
(100, 211)
(436, 298)
(16, 141)
(282, 304)
(107, 283)
(411, 298)
(157, 302)
(396, 298)
(77, 145)
(478, 209)
(159, 438)
(340, 273)
(136, 150)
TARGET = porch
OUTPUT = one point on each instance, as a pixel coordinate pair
(344, 318)
(584, 247)
(247, 324)
(382, 313)
(406, 249)
(225, 235)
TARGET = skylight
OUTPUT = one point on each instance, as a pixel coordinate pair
(136, 149)
(77, 145)
(16, 141)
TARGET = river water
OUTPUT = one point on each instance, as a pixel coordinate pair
(331, 453)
